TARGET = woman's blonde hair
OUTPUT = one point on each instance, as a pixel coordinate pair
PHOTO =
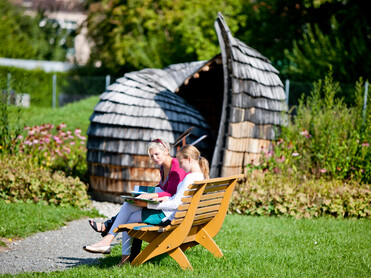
(160, 143)
(189, 151)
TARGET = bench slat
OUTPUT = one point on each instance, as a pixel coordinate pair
(209, 189)
(208, 196)
(181, 214)
(197, 217)
(203, 203)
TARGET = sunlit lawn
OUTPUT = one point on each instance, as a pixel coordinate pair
(259, 247)
(75, 115)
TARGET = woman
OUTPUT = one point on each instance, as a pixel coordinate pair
(171, 175)
(163, 213)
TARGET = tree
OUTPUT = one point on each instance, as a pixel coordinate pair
(29, 37)
(135, 34)
(339, 37)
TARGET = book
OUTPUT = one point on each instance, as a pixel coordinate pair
(131, 198)
(145, 189)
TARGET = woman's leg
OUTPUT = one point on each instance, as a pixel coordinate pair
(122, 218)
(127, 240)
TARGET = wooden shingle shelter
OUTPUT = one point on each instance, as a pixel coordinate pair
(236, 99)
(134, 110)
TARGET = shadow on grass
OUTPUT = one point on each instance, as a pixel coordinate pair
(113, 260)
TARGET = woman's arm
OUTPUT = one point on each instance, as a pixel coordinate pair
(173, 202)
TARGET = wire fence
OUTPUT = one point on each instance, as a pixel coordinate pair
(67, 89)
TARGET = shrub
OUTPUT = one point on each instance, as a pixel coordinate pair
(22, 179)
(278, 195)
(326, 138)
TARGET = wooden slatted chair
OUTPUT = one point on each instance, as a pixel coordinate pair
(197, 221)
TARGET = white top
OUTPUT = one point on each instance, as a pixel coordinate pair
(170, 206)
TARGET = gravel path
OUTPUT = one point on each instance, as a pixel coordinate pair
(56, 250)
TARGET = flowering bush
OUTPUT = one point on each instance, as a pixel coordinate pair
(326, 139)
(55, 148)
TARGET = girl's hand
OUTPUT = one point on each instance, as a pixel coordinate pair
(148, 196)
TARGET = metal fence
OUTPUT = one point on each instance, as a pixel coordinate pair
(66, 89)
(296, 90)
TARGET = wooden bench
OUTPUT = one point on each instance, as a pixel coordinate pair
(197, 220)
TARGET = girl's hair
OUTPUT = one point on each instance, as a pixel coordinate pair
(189, 151)
(160, 143)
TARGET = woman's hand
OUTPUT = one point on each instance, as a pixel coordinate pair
(162, 199)
(148, 196)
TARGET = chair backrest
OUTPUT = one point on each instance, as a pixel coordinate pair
(213, 202)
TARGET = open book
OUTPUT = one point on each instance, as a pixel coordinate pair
(130, 199)
(145, 189)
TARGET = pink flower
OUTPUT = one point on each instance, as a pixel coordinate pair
(35, 142)
(280, 141)
(31, 132)
(66, 149)
(323, 170)
(27, 143)
(282, 158)
(57, 139)
(19, 137)
(77, 131)
(365, 144)
(295, 154)
(62, 125)
(305, 133)
(82, 138)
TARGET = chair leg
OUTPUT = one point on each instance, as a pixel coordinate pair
(178, 255)
(206, 241)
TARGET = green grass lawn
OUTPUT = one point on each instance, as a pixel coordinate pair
(24, 219)
(259, 247)
(75, 115)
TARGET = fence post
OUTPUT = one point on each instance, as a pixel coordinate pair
(54, 97)
(287, 91)
(365, 101)
(108, 80)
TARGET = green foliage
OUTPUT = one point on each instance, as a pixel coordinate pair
(29, 37)
(23, 219)
(326, 139)
(36, 83)
(338, 37)
(21, 179)
(155, 33)
(39, 84)
(281, 195)
(8, 131)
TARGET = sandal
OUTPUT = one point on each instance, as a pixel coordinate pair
(93, 224)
